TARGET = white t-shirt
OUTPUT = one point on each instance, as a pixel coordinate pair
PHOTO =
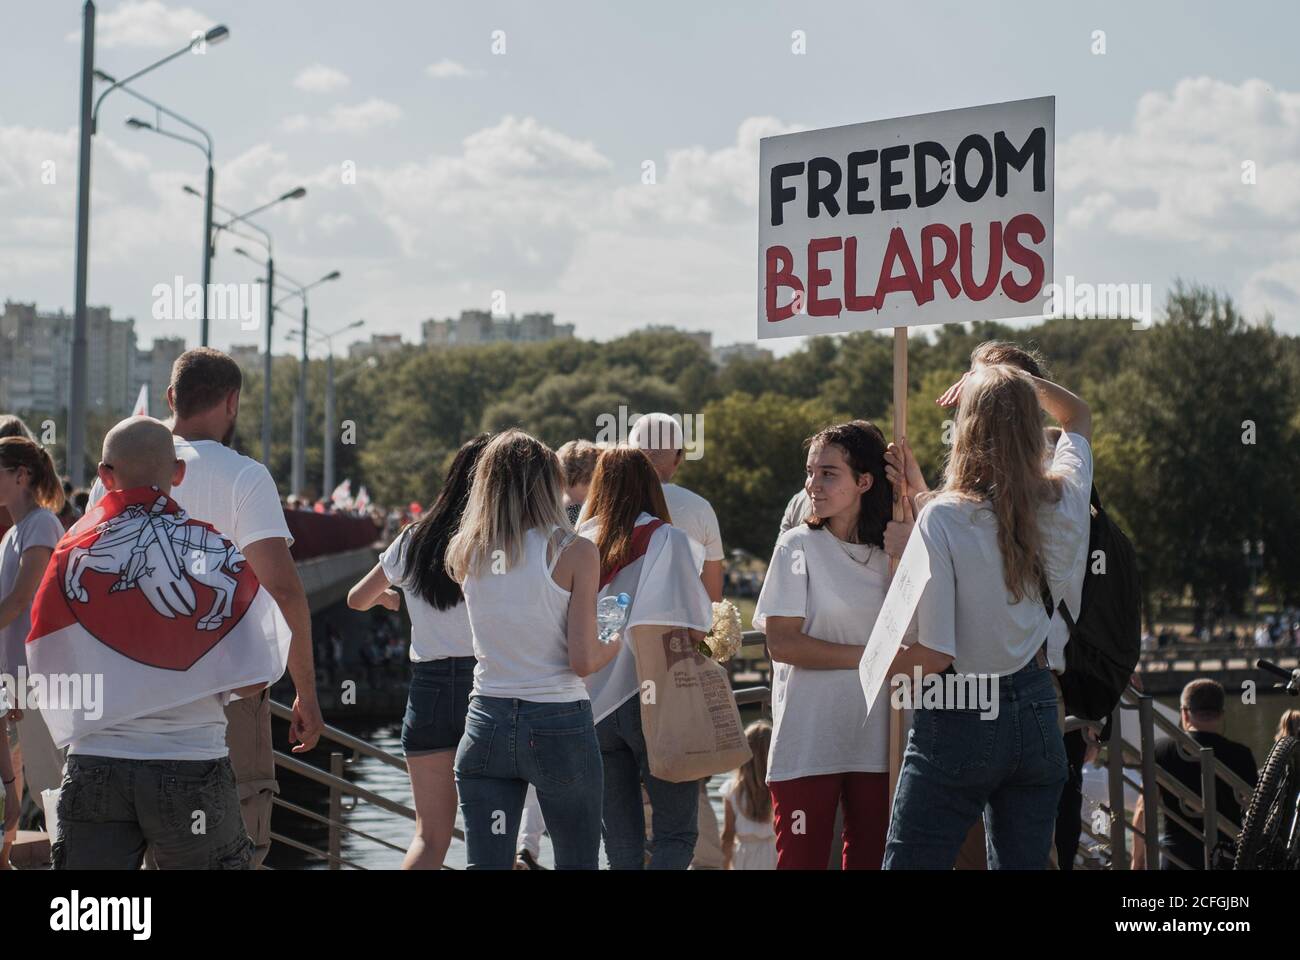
(192, 731)
(520, 622)
(435, 634)
(232, 492)
(964, 610)
(694, 514)
(40, 528)
(819, 717)
(237, 496)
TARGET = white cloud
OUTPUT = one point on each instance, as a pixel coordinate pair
(319, 78)
(1176, 174)
(444, 69)
(347, 118)
(699, 185)
(145, 23)
(1170, 193)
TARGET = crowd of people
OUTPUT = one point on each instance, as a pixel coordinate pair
(524, 719)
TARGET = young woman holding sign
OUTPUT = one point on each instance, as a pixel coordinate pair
(1004, 529)
(823, 591)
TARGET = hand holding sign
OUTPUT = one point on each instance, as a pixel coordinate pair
(898, 532)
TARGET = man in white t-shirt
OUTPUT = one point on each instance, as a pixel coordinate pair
(237, 495)
(660, 437)
(146, 782)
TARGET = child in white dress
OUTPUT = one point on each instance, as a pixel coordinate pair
(748, 838)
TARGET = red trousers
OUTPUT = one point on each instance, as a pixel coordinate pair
(803, 813)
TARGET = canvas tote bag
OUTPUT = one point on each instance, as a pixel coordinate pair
(688, 713)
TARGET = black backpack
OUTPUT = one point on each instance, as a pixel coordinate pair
(1106, 641)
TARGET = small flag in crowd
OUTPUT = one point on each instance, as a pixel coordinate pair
(142, 402)
(163, 607)
(342, 496)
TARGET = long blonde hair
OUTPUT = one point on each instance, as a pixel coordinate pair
(997, 455)
(752, 796)
(517, 487)
(1288, 725)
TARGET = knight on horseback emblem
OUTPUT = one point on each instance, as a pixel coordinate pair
(159, 553)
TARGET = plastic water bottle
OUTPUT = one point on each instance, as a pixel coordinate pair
(611, 614)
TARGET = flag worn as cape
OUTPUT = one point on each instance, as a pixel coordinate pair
(163, 607)
(663, 581)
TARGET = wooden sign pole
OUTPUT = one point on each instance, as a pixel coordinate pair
(898, 735)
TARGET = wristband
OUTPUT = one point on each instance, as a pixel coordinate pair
(9, 781)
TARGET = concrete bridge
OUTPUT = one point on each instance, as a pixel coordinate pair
(332, 552)
(1169, 669)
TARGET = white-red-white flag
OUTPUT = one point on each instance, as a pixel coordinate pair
(341, 496)
(141, 408)
(663, 581)
(162, 607)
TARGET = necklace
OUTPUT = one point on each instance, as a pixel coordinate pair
(849, 553)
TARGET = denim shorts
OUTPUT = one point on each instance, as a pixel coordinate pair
(436, 705)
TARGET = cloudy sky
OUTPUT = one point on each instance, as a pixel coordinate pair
(521, 170)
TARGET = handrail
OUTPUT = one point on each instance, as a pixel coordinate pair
(345, 739)
(340, 787)
(1188, 802)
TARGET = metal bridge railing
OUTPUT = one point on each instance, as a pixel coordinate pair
(343, 794)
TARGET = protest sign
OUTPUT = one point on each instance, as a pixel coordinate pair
(895, 616)
(935, 218)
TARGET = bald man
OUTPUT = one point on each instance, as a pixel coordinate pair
(139, 452)
(148, 778)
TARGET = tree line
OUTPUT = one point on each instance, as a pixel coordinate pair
(1196, 424)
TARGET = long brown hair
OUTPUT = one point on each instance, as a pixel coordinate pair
(19, 453)
(623, 486)
(752, 797)
(997, 455)
(516, 488)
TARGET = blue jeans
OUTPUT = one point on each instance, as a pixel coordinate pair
(436, 705)
(509, 744)
(958, 766)
(674, 806)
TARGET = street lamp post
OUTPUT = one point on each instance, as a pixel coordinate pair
(89, 117)
(329, 425)
(299, 481)
(296, 194)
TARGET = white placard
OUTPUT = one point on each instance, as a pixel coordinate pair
(935, 218)
(896, 613)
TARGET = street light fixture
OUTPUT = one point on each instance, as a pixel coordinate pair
(89, 118)
(136, 123)
(299, 480)
(327, 432)
(295, 194)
